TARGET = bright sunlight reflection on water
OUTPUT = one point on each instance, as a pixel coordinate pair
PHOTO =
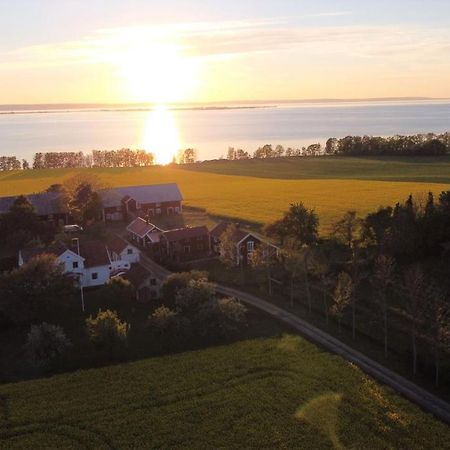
(160, 135)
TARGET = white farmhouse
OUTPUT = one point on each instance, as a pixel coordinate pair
(93, 263)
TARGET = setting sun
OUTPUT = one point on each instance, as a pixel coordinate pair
(158, 72)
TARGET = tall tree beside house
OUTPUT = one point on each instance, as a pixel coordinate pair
(228, 246)
(298, 223)
(84, 203)
(36, 291)
(415, 297)
(263, 258)
(20, 224)
(342, 296)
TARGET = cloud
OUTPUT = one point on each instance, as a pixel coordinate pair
(234, 39)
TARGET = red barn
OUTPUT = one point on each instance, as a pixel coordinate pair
(150, 200)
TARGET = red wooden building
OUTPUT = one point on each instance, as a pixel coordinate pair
(151, 200)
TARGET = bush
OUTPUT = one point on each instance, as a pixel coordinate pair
(177, 281)
(107, 331)
(163, 318)
(117, 291)
(46, 343)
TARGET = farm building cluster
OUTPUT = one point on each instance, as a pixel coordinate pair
(93, 262)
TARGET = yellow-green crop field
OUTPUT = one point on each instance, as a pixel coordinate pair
(258, 199)
(267, 393)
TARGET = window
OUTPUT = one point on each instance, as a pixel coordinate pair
(130, 251)
(177, 209)
(94, 275)
(250, 246)
(187, 249)
(75, 265)
(158, 210)
(153, 282)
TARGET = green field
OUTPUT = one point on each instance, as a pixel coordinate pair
(259, 191)
(266, 393)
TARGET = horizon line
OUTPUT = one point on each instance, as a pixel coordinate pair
(224, 102)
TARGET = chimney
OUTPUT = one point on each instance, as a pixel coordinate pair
(76, 245)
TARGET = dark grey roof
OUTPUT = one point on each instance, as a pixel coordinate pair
(44, 203)
(156, 193)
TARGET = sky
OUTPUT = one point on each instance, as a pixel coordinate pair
(111, 51)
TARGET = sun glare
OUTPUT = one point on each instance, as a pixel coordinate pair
(158, 72)
(160, 135)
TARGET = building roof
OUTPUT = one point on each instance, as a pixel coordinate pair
(241, 234)
(117, 244)
(221, 227)
(45, 203)
(137, 274)
(141, 227)
(185, 233)
(94, 253)
(156, 193)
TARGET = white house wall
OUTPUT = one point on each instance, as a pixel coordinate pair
(103, 275)
(132, 257)
(68, 258)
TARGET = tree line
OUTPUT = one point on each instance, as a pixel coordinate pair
(416, 145)
(384, 275)
(97, 158)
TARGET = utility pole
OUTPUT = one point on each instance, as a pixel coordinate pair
(80, 277)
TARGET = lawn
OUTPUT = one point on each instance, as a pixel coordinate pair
(266, 393)
(259, 198)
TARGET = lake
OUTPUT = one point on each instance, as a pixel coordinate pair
(212, 131)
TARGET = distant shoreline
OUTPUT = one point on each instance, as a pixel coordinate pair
(218, 106)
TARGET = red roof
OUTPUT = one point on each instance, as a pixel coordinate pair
(185, 233)
(117, 244)
(140, 227)
(221, 227)
(94, 254)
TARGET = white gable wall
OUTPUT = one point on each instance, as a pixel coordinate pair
(130, 254)
(70, 259)
(96, 276)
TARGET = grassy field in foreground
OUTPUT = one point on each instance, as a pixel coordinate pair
(268, 393)
(250, 198)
